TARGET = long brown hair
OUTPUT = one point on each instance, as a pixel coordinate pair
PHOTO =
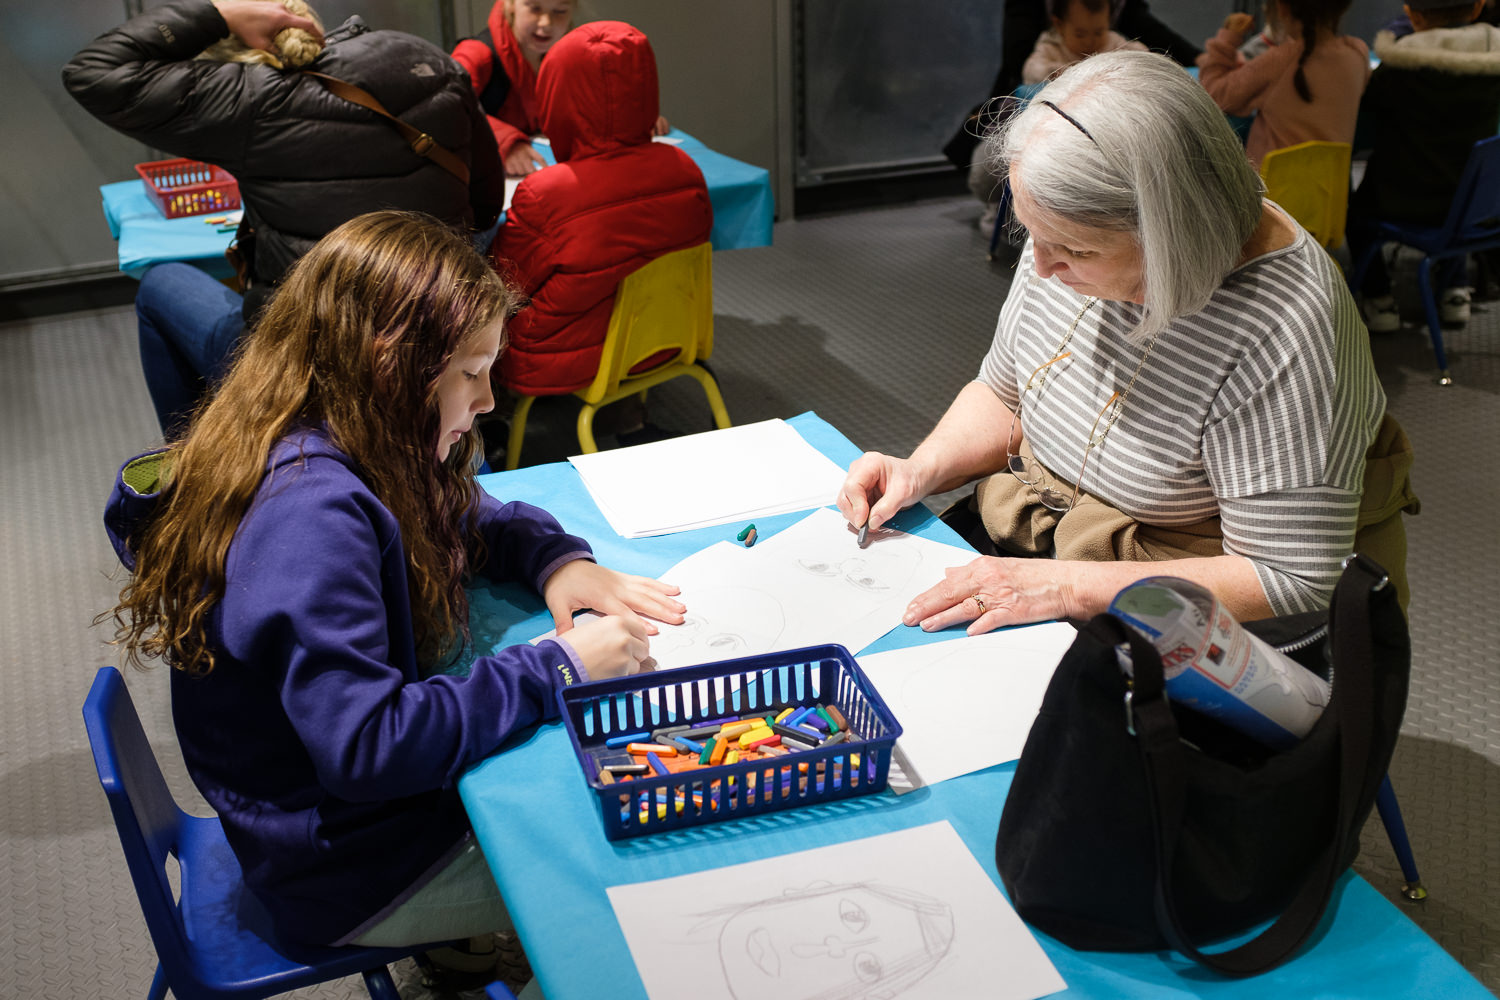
(1315, 18)
(353, 342)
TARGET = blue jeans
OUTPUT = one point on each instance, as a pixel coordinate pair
(189, 325)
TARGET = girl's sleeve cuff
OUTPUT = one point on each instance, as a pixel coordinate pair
(573, 671)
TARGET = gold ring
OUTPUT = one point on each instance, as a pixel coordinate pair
(980, 601)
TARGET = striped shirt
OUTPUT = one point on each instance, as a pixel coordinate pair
(1258, 409)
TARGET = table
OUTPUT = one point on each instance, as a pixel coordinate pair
(740, 193)
(539, 826)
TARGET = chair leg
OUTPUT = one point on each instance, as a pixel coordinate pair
(715, 398)
(380, 985)
(586, 428)
(1434, 321)
(1395, 829)
(517, 431)
(158, 984)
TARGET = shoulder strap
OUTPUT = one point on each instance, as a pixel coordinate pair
(421, 143)
(493, 96)
(1165, 778)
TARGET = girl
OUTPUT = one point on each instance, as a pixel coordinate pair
(1304, 88)
(503, 61)
(299, 559)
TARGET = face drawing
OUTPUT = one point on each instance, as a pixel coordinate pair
(721, 623)
(873, 571)
(843, 942)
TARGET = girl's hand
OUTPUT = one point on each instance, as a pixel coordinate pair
(584, 584)
(1239, 22)
(522, 160)
(611, 647)
(991, 592)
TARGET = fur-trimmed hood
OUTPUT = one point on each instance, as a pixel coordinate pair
(1472, 50)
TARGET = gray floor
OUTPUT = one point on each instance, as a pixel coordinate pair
(873, 319)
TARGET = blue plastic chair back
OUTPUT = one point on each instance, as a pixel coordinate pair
(204, 948)
(1474, 216)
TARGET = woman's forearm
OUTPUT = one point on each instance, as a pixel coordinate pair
(968, 442)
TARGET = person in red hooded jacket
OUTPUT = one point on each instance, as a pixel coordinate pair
(503, 61)
(613, 202)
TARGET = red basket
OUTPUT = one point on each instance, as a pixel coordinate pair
(188, 187)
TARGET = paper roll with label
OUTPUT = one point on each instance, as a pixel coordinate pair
(1214, 666)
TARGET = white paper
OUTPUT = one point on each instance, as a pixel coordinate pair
(966, 704)
(909, 914)
(808, 584)
(717, 477)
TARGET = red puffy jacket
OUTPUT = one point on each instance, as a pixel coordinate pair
(613, 202)
(496, 58)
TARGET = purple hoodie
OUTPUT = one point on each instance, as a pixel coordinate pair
(331, 762)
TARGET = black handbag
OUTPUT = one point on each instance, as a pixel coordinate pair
(1133, 826)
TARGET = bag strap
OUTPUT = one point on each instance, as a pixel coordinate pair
(1163, 756)
(421, 143)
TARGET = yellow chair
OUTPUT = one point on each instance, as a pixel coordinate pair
(1311, 181)
(665, 306)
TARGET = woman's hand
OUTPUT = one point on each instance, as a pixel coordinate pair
(878, 487)
(258, 22)
(583, 583)
(661, 127)
(522, 160)
(611, 647)
(992, 592)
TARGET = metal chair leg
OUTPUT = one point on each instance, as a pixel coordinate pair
(380, 985)
(1434, 321)
(1395, 829)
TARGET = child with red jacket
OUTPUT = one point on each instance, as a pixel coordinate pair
(503, 62)
(613, 202)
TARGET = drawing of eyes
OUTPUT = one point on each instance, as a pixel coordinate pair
(818, 567)
(853, 916)
(725, 641)
(858, 573)
(866, 967)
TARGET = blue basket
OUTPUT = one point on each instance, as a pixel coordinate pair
(815, 675)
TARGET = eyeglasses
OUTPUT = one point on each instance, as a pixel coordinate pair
(1031, 472)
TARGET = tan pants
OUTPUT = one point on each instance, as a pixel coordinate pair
(1093, 530)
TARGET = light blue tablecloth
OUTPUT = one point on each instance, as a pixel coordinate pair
(539, 825)
(740, 193)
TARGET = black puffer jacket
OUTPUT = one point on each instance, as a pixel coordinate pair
(305, 160)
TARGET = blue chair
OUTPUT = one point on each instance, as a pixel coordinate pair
(1473, 224)
(202, 945)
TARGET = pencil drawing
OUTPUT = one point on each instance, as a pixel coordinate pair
(854, 941)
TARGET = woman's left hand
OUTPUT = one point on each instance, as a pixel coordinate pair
(992, 592)
(583, 583)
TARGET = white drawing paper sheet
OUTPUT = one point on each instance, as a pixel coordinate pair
(807, 585)
(717, 477)
(908, 915)
(969, 703)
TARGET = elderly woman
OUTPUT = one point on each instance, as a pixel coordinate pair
(1178, 373)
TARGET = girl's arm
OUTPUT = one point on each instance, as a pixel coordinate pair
(1238, 86)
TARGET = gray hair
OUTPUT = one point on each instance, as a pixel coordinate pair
(1158, 161)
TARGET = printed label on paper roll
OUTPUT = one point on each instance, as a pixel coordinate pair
(1214, 666)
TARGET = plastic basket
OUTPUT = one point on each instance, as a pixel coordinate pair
(650, 803)
(188, 187)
